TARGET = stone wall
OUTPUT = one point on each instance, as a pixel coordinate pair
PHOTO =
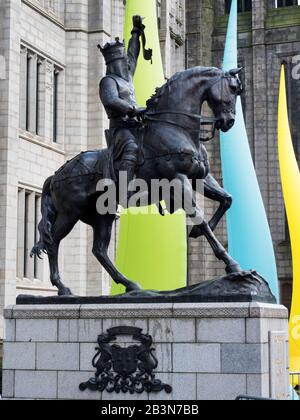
(263, 46)
(204, 351)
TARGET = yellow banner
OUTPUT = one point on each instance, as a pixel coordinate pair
(290, 177)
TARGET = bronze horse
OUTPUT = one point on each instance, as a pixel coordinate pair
(171, 147)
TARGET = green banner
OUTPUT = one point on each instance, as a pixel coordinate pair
(152, 250)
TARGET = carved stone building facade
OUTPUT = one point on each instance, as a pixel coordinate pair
(50, 68)
(50, 111)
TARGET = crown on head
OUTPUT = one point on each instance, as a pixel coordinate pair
(113, 51)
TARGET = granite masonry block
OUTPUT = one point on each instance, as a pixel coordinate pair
(36, 330)
(257, 330)
(221, 331)
(10, 330)
(8, 381)
(58, 356)
(68, 386)
(81, 330)
(36, 385)
(183, 384)
(172, 330)
(89, 329)
(258, 385)
(163, 353)
(19, 356)
(68, 330)
(244, 358)
(220, 387)
(196, 358)
(87, 352)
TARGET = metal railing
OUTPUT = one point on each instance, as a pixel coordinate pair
(295, 381)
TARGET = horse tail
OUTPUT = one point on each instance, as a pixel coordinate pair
(48, 218)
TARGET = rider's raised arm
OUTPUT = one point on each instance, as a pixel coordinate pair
(109, 96)
(134, 46)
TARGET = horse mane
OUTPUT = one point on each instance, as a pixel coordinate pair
(160, 91)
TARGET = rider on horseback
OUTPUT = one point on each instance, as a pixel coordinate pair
(118, 97)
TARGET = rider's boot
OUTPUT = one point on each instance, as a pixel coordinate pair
(129, 165)
(129, 168)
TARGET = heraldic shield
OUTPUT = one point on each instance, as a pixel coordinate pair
(125, 369)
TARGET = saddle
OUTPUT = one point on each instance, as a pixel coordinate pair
(109, 138)
(117, 151)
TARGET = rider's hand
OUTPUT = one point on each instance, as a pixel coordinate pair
(132, 112)
(140, 111)
(138, 23)
(136, 112)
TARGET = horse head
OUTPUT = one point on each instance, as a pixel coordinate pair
(183, 96)
(221, 97)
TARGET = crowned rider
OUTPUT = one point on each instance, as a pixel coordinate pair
(118, 96)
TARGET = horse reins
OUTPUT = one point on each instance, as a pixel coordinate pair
(202, 120)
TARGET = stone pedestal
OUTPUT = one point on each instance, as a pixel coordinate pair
(204, 351)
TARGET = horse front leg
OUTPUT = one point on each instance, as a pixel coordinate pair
(215, 192)
(220, 252)
(202, 227)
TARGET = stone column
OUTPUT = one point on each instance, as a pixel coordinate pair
(21, 234)
(2, 67)
(46, 101)
(32, 93)
(30, 235)
(9, 124)
(76, 128)
(23, 88)
(259, 10)
(165, 39)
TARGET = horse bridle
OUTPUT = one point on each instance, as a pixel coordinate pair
(203, 121)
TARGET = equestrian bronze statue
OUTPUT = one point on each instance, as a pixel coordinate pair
(163, 141)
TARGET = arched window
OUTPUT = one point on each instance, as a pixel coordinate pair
(243, 6)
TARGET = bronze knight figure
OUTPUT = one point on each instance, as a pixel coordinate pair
(163, 141)
(118, 98)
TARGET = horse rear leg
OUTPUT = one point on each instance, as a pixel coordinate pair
(63, 225)
(102, 226)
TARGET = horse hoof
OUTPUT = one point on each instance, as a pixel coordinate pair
(196, 232)
(134, 287)
(65, 292)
